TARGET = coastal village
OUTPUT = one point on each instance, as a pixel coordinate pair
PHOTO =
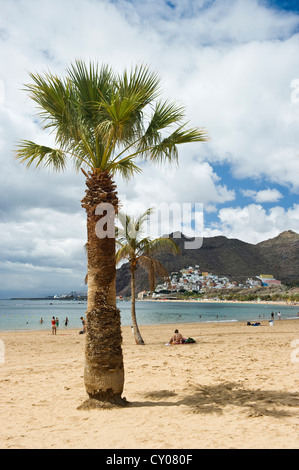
(192, 279)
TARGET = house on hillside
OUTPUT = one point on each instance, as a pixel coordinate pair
(268, 280)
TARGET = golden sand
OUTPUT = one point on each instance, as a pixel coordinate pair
(237, 387)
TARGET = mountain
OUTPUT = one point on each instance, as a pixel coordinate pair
(234, 258)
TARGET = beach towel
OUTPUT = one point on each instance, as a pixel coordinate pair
(186, 341)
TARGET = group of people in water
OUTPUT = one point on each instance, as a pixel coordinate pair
(55, 324)
(278, 315)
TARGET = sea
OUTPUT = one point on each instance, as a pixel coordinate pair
(26, 315)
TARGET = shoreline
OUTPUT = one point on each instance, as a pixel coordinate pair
(219, 321)
(180, 324)
(171, 325)
(258, 302)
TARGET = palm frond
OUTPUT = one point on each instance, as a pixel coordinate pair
(62, 113)
(124, 252)
(140, 81)
(131, 229)
(136, 248)
(166, 149)
(140, 221)
(121, 114)
(154, 268)
(145, 216)
(125, 167)
(55, 100)
(31, 153)
(92, 84)
(48, 92)
(165, 114)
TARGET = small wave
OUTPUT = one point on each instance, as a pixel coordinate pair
(222, 321)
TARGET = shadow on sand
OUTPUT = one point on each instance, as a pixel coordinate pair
(214, 398)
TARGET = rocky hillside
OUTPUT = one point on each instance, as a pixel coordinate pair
(229, 257)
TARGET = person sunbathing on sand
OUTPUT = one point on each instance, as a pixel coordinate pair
(177, 338)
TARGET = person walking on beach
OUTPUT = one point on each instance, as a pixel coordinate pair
(53, 322)
(57, 322)
(279, 316)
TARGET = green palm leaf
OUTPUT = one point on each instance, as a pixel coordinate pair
(30, 153)
(132, 242)
(166, 148)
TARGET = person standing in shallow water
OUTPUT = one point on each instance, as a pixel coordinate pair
(83, 325)
(53, 322)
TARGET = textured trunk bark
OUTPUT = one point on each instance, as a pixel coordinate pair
(104, 370)
(137, 334)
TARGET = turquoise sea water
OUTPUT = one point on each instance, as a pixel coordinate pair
(26, 314)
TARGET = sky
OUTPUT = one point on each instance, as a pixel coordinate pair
(233, 65)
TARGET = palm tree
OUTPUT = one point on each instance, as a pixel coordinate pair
(140, 250)
(100, 122)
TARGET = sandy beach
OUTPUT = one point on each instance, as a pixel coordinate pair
(235, 388)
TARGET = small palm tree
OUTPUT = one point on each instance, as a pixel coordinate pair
(140, 250)
(102, 122)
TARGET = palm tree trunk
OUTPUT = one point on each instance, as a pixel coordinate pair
(104, 370)
(137, 334)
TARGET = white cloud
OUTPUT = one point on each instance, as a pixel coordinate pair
(44, 244)
(253, 223)
(39, 235)
(265, 195)
(243, 97)
(21, 279)
(192, 181)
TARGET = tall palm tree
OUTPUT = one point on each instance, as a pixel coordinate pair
(102, 122)
(140, 250)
